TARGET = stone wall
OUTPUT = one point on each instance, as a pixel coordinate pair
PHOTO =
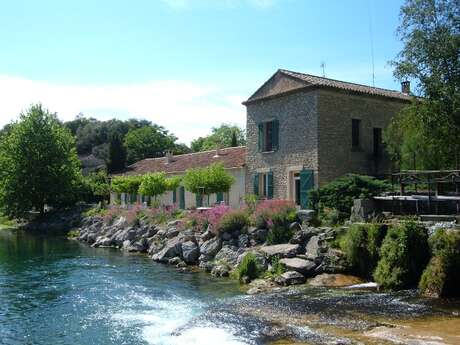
(298, 137)
(336, 110)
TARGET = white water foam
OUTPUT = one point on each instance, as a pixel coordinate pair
(162, 322)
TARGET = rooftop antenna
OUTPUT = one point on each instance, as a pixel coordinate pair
(372, 41)
(323, 66)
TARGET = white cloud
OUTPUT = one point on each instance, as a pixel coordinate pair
(185, 108)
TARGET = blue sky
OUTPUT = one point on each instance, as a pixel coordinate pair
(185, 64)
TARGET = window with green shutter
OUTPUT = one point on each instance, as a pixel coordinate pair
(306, 184)
(174, 196)
(199, 200)
(219, 197)
(268, 139)
(182, 197)
(256, 184)
(270, 185)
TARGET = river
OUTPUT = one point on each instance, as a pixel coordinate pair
(57, 291)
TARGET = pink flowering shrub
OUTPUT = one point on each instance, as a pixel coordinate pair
(270, 213)
(162, 214)
(156, 215)
(200, 220)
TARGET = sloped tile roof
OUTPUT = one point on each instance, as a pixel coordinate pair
(233, 157)
(316, 81)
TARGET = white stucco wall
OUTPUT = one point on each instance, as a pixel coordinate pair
(234, 198)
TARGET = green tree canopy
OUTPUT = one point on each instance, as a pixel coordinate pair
(126, 184)
(427, 134)
(117, 154)
(224, 136)
(154, 184)
(38, 164)
(213, 179)
(148, 142)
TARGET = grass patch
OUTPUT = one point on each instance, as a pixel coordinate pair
(6, 223)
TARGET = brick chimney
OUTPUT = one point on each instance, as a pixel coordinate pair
(405, 87)
(169, 157)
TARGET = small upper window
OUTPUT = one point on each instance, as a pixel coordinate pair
(355, 133)
(268, 136)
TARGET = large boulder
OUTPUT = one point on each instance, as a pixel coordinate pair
(281, 250)
(210, 248)
(258, 235)
(172, 232)
(290, 278)
(312, 248)
(190, 252)
(172, 248)
(228, 255)
(220, 271)
(305, 267)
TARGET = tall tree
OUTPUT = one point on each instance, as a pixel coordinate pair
(148, 142)
(38, 164)
(117, 154)
(225, 135)
(427, 133)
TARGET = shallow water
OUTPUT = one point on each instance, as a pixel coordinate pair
(57, 291)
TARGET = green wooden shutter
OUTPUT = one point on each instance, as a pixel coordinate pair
(275, 135)
(182, 198)
(270, 185)
(261, 137)
(256, 184)
(198, 200)
(219, 197)
(174, 196)
(306, 184)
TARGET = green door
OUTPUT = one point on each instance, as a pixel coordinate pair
(182, 198)
(306, 184)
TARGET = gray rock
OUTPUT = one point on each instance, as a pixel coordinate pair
(220, 271)
(174, 223)
(281, 250)
(259, 235)
(190, 252)
(301, 237)
(305, 216)
(294, 226)
(312, 248)
(172, 232)
(290, 278)
(305, 267)
(210, 248)
(243, 241)
(172, 248)
(227, 254)
(207, 235)
(102, 242)
(206, 266)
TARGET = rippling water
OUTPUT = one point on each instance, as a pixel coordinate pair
(54, 291)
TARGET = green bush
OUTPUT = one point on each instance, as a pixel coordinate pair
(248, 267)
(277, 268)
(441, 277)
(340, 193)
(233, 221)
(403, 256)
(361, 244)
(279, 234)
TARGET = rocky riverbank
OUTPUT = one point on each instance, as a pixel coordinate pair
(307, 254)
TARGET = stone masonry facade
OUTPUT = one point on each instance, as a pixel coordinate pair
(315, 131)
(298, 138)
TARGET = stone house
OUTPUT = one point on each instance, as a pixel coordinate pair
(304, 130)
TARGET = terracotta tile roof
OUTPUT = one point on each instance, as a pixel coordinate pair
(316, 81)
(232, 157)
